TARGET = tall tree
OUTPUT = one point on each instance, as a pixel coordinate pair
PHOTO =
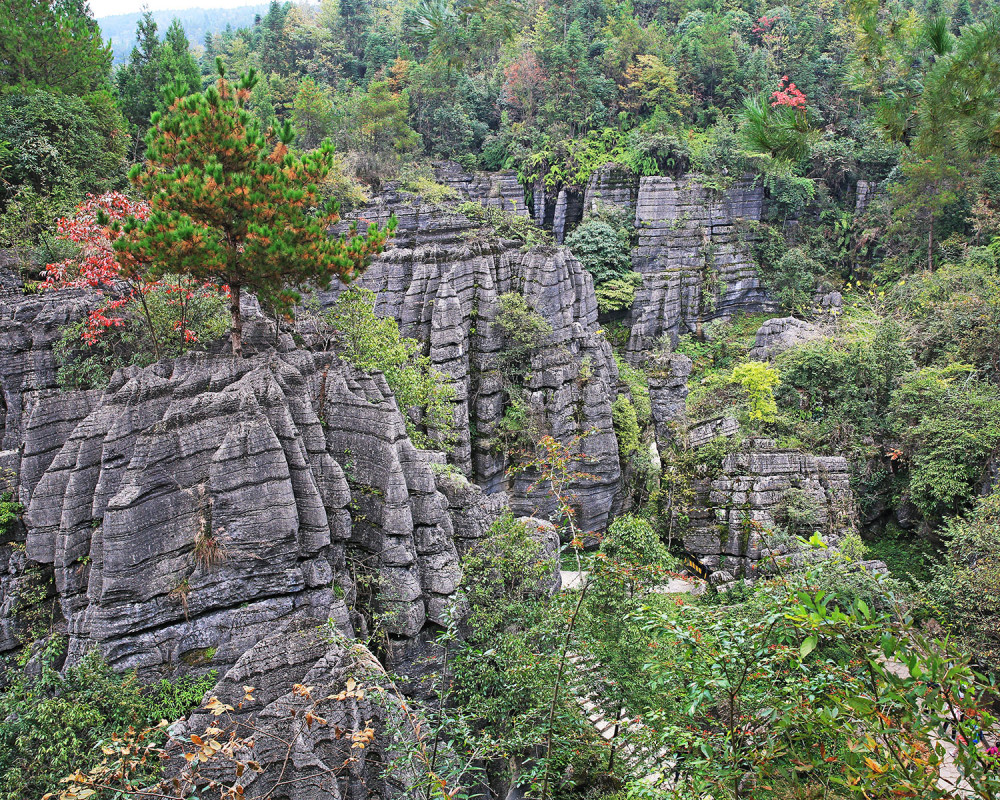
(52, 44)
(311, 113)
(139, 80)
(231, 205)
(178, 70)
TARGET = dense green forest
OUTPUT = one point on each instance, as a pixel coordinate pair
(167, 186)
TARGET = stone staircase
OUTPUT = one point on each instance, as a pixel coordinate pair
(632, 741)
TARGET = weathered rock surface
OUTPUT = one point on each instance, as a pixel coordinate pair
(668, 390)
(300, 761)
(492, 189)
(567, 214)
(734, 528)
(30, 327)
(611, 186)
(694, 265)
(441, 280)
(205, 502)
(783, 333)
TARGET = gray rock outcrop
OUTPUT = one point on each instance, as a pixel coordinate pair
(492, 189)
(777, 335)
(695, 266)
(740, 514)
(205, 503)
(442, 279)
(668, 390)
(315, 698)
(611, 186)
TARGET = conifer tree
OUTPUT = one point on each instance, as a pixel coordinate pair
(177, 62)
(139, 80)
(232, 206)
(54, 45)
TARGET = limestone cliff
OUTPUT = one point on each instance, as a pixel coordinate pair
(442, 279)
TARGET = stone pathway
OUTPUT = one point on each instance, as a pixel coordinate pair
(949, 778)
(571, 580)
(589, 688)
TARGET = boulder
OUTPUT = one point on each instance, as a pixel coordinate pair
(778, 335)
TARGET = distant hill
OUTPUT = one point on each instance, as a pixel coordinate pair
(120, 28)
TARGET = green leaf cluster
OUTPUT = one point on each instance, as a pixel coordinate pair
(51, 723)
(373, 342)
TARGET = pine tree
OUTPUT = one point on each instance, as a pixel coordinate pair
(178, 69)
(52, 44)
(311, 113)
(232, 206)
(139, 80)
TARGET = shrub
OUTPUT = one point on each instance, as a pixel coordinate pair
(524, 329)
(638, 389)
(626, 425)
(967, 584)
(759, 380)
(791, 280)
(51, 724)
(506, 224)
(56, 141)
(421, 182)
(10, 512)
(371, 342)
(602, 249)
(87, 356)
(617, 294)
(798, 511)
(948, 423)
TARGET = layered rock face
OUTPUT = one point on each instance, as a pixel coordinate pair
(738, 510)
(442, 279)
(205, 503)
(492, 189)
(302, 761)
(29, 329)
(694, 265)
(611, 186)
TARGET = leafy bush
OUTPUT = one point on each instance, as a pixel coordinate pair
(759, 380)
(420, 181)
(371, 342)
(778, 131)
(602, 249)
(617, 294)
(87, 364)
(524, 329)
(948, 422)
(638, 389)
(791, 280)
(798, 511)
(10, 512)
(506, 224)
(626, 425)
(51, 724)
(57, 141)
(966, 584)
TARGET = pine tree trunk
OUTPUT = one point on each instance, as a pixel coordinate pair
(236, 334)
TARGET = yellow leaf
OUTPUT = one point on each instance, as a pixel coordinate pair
(874, 766)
